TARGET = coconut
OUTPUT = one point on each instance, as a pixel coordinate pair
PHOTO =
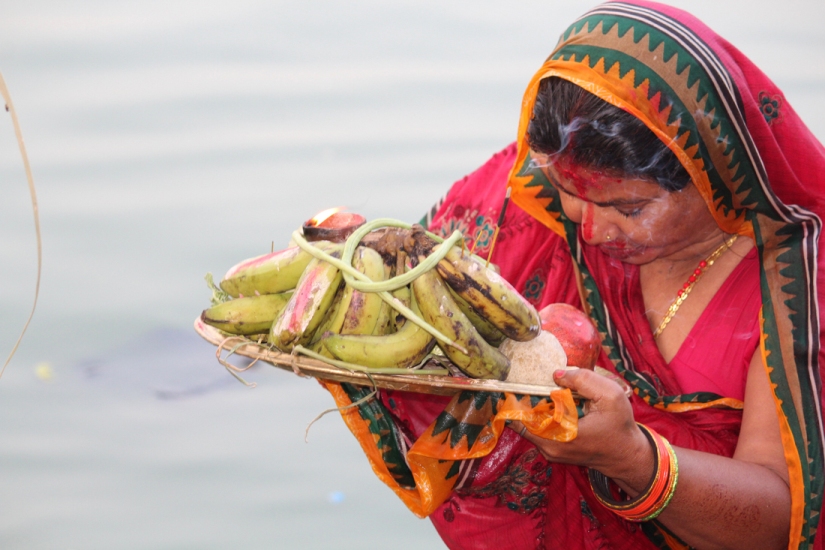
(534, 361)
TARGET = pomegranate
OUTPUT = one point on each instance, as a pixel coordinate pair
(576, 333)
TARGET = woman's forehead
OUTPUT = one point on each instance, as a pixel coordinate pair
(598, 185)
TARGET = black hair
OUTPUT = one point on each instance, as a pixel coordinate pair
(570, 121)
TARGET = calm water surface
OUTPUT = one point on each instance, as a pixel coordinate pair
(172, 139)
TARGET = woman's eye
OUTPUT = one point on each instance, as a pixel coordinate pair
(630, 213)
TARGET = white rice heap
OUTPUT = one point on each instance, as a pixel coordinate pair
(534, 361)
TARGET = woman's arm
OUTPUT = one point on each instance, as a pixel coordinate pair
(739, 502)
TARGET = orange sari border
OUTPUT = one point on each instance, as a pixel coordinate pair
(432, 457)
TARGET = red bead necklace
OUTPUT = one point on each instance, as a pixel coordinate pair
(682, 295)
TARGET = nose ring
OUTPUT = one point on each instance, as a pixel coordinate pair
(607, 237)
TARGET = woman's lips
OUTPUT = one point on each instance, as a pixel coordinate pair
(618, 250)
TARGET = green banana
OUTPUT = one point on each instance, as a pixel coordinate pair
(402, 349)
(352, 311)
(402, 294)
(440, 310)
(492, 297)
(333, 318)
(387, 314)
(487, 330)
(248, 315)
(364, 312)
(384, 324)
(308, 305)
(270, 273)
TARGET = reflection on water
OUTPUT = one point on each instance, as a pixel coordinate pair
(168, 140)
(165, 364)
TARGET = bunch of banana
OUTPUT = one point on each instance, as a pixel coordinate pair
(355, 312)
(402, 294)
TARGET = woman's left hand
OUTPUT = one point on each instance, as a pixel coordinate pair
(608, 438)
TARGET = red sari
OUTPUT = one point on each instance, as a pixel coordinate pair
(514, 498)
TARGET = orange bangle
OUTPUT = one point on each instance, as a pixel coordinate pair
(601, 485)
(671, 489)
(660, 488)
(658, 493)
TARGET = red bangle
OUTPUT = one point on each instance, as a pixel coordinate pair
(671, 488)
(658, 493)
(662, 482)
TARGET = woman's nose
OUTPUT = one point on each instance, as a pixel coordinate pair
(594, 227)
(591, 218)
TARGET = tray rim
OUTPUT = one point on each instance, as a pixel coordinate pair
(417, 383)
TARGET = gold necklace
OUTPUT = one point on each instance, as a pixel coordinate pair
(682, 295)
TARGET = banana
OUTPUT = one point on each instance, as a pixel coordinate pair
(247, 316)
(332, 322)
(487, 330)
(387, 314)
(384, 324)
(308, 305)
(490, 295)
(366, 309)
(405, 348)
(354, 312)
(440, 310)
(403, 294)
(270, 273)
(334, 316)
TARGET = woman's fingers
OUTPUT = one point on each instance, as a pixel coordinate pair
(552, 450)
(518, 427)
(589, 385)
(607, 433)
(522, 430)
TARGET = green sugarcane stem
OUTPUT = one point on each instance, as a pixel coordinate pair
(355, 239)
(385, 295)
(399, 281)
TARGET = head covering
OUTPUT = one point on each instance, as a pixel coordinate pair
(760, 171)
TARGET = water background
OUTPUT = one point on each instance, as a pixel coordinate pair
(169, 139)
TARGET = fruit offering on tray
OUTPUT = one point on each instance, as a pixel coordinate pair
(390, 298)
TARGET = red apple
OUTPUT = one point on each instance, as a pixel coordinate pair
(576, 333)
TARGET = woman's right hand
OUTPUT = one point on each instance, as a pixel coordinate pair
(608, 438)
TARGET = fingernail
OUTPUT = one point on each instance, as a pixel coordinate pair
(559, 374)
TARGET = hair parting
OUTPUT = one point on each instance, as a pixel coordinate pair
(571, 122)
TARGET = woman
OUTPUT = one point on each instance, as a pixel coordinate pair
(668, 190)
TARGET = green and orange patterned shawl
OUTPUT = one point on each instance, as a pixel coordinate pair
(757, 166)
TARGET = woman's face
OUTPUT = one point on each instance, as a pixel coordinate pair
(633, 220)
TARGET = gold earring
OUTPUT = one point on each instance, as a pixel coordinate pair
(607, 237)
